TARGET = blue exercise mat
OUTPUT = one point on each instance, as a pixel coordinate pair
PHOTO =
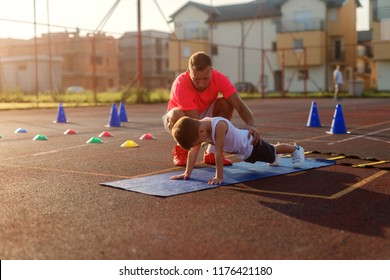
(162, 185)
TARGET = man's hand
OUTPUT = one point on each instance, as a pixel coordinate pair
(183, 176)
(252, 131)
(215, 181)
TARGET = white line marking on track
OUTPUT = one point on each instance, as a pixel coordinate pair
(47, 152)
(361, 136)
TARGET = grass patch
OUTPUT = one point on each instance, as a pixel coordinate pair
(20, 100)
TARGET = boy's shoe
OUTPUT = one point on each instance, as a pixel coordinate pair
(209, 158)
(179, 156)
(277, 160)
(298, 157)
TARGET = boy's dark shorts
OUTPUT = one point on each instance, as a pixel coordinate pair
(262, 152)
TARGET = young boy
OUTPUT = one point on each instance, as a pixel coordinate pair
(191, 133)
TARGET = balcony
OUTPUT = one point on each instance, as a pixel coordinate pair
(195, 34)
(286, 26)
(363, 70)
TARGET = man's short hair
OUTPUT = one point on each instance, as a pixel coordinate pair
(185, 132)
(199, 61)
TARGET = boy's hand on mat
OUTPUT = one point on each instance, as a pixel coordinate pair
(183, 176)
(215, 181)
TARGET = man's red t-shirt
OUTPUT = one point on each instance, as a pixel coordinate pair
(185, 97)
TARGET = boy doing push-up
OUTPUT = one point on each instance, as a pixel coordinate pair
(191, 133)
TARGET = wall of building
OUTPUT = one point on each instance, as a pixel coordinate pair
(156, 72)
(18, 73)
(244, 47)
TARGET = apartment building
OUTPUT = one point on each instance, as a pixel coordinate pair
(88, 61)
(279, 45)
(380, 24)
(155, 68)
(366, 70)
(18, 68)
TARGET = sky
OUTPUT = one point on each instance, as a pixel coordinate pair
(16, 16)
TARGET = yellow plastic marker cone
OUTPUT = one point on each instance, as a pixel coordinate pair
(129, 144)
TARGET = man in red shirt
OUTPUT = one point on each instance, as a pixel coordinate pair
(194, 93)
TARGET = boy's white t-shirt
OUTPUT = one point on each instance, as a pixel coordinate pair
(236, 140)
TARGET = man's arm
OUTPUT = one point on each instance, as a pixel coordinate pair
(192, 114)
(246, 115)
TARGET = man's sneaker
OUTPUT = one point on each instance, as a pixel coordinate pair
(298, 157)
(209, 158)
(179, 156)
(277, 160)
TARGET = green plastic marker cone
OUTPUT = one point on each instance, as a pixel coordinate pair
(40, 137)
(95, 140)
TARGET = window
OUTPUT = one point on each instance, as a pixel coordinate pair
(385, 29)
(159, 46)
(191, 30)
(274, 46)
(22, 67)
(338, 49)
(159, 66)
(303, 74)
(185, 52)
(214, 49)
(298, 44)
(98, 60)
(332, 15)
(303, 20)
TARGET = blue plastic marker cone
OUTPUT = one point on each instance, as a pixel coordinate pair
(314, 118)
(338, 124)
(114, 118)
(20, 130)
(61, 117)
(122, 112)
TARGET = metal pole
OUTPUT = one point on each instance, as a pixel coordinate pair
(262, 54)
(283, 92)
(93, 61)
(140, 98)
(211, 29)
(49, 49)
(36, 56)
(262, 73)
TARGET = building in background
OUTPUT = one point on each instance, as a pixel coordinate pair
(156, 72)
(18, 73)
(279, 45)
(365, 66)
(87, 61)
(380, 24)
(276, 45)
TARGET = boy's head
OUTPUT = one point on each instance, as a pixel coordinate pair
(186, 132)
